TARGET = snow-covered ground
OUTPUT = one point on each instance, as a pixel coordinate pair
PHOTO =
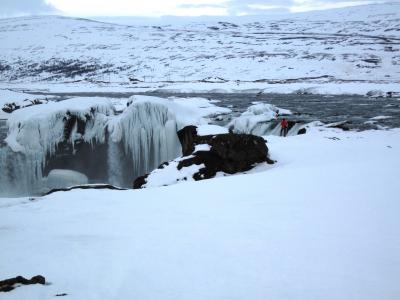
(320, 224)
(19, 98)
(349, 50)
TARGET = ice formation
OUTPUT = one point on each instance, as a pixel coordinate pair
(38, 130)
(147, 132)
(261, 119)
(64, 178)
(128, 145)
(35, 132)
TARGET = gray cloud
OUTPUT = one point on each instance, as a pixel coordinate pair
(234, 7)
(22, 7)
(244, 6)
(200, 5)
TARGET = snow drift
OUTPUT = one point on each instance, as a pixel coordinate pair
(320, 226)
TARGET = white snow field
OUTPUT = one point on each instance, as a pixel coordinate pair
(323, 223)
(348, 50)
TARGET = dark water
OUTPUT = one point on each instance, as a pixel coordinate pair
(354, 109)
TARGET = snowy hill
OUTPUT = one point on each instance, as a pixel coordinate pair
(357, 45)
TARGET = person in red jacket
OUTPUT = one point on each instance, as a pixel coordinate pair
(284, 127)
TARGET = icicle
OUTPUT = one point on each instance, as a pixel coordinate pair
(148, 132)
(114, 164)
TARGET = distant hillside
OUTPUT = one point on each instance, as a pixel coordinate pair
(352, 44)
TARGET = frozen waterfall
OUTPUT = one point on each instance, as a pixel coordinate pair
(146, 131)
(86, 137)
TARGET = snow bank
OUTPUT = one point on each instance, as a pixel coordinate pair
(198, 109)
(209, 129)
(311, 227)
(325, 88)
(64, 178)
(21, 99)
(170, 174)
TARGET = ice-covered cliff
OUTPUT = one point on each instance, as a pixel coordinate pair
(85, 135)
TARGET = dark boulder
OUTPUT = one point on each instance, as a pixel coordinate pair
(10, 107)
(9, 284)
(229, 153)
(291, 124)
(234, 152)
(187, 137)
(140, 181)
(302, 131)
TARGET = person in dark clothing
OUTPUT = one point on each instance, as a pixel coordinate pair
(284, 127)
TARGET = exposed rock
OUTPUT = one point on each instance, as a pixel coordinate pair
(87, 187)
(229, 153)
(302, 131)
(10, 107)
(291, 124)
(9, 284)
(140, 181)
(187, 137)
(71, 121)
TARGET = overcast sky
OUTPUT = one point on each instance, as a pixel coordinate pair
(152, 8)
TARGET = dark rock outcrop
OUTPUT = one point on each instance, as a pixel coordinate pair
(87, 187)
(10, 107)
(229, 153)
(10, 284)
(139, 182)
(302, 131)
(291, 124)
(187, 137)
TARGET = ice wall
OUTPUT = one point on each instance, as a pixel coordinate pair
(147, 132)
(137, 141)
(34, 134)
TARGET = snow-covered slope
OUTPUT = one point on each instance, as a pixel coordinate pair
(322, 224)
(359, 45)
